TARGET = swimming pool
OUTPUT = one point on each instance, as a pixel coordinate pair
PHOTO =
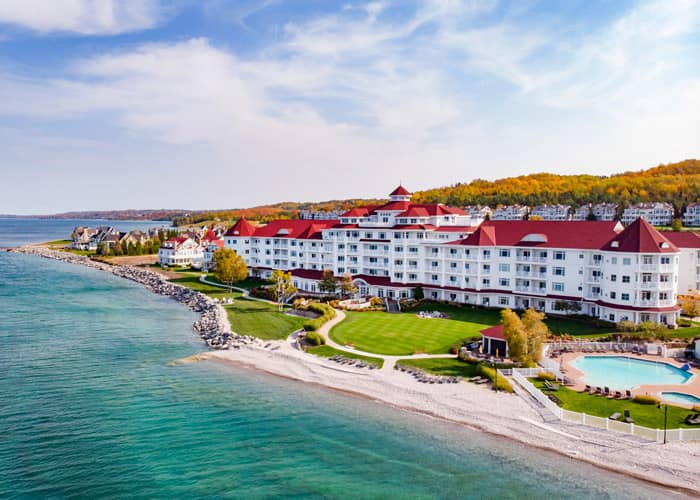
(621, 372)
(680, 398)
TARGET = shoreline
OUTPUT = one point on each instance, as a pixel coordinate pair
(675, 466)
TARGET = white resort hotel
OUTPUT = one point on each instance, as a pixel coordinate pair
(601, 269)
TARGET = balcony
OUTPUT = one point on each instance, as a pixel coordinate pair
(530, 258)
(531, 274)
(595, 262)
(531, 289)
(594, 279)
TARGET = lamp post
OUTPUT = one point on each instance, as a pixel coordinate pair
(665, 418)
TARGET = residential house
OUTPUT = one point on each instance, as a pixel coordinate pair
(656, 214)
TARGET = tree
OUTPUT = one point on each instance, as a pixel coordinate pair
(327, 283)
(514, 332)
(281, 287)
(418, 293)
(536, 332)
(690, 304)
(677, 225)
(229, 267)
(347, 287)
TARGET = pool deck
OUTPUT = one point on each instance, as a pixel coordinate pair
(692, 386)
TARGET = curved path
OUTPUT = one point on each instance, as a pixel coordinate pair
(389, 360)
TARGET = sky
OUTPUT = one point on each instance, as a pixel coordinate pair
(198, 104)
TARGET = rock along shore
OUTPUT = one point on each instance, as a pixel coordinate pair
(212, 326)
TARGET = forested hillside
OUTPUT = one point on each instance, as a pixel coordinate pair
(676, 183)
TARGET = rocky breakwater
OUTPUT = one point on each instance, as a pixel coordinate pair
(212, 325)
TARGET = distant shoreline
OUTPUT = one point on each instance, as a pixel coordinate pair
(675, 466)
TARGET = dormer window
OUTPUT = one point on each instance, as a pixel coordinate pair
(615, 244)
(534, 238)
(664, 244)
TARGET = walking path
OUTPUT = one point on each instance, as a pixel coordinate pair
(389, 361)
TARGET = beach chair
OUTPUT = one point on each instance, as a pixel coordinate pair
(551, 386)
(606, 392)
(618, 395)
(598, 390)
(482, 381)
(693, 419)
(615, 416)
(628, 394)
(628, 417)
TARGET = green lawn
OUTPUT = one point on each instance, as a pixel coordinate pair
(644, 415)
(248, 317)
(326, 351)
(448, 367)
(58, 243)
(248, 283)
(405, 333)
(687, 332)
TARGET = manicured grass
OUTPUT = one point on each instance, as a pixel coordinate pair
(248, 317)
(405, 333)
(448, 367)
(56, 243)
(599, 406)
(687, 332)
(247, 284)
(326, 351)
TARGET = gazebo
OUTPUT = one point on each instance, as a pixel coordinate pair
(494, 342)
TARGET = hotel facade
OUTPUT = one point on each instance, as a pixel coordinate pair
(600, 269)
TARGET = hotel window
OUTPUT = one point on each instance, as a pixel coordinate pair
(487, 268)
(663, 278)
(368, 235)
(453, 279)
(487, 254)
(341, 258)
(613, 295)
(558, 287)
(398, 263)
(625, 296)
(453, 251)
(625, 279)
(434, 251)
(626, 261)
(503, 301)
(382, 236)
(559, 256)
(353, 270)
(412, 249)
(413, 277)
(543, 255)
(372, 260)
(611, 317)
(397, 236)
(398, 275)
(504, 252)
(341, 270)
(665, 260)
(646, 295)
(453, 265)
(466, 280)
(434, 277)
(613, 260)
(385, 219)
(504, 282)
(486, 282)
(466, 266)
(663, 296)
(613, 277)
(504, 268)
(558, 271)
(466, 252)
(341, 246)
(435, 263)
(647, 259)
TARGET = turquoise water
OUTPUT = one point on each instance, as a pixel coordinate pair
(90, 408)
(621, 372)
(680, 398)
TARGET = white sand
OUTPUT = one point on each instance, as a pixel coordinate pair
(675, 464)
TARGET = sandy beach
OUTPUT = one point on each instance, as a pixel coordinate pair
(515, 416)
(676, 465)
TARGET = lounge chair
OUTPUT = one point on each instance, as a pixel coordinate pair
(615, 416)
(551, 386)
(618, 395)
(598, 390)
(628, 417)
(628, 394)
(587, 389)
(693, 419)
(554, 399)
(606, 392)
(482, 381)
(474, 379)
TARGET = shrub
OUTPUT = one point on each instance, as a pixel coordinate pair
(643, 399)
(326, 313)
(315, 339)
(490, 373)
(376, 302)
(418, 293)
(696, 408)
(546, 376)
(684, 322)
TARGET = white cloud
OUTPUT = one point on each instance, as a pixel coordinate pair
(87, 17)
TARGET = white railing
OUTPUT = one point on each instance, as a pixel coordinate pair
(601, 422)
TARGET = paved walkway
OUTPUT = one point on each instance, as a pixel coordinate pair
(389, 360)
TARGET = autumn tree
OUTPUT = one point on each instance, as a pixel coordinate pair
(524, 335)
(690, 304)
(347, 287)
(677, 225)
(327, 283)
(536, 332)
(282, 286)
(514, 332)
(229, 267)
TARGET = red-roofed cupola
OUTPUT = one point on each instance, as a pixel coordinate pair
(400, 194)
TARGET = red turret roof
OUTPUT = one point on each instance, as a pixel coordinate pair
(640, 237)
(400, 191)
(241, 228)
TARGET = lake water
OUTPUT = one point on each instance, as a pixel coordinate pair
(91, 408)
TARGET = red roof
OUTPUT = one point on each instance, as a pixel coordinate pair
(294, 228)
(494, 332)
(640, 237)
(394, 206)
(414, 211)
(360, 211)
(241, 228)
(400, 191)
(427, 210)
(310, 274)
(179, 240)
(683, 239)
(544, 234)
(209, 236)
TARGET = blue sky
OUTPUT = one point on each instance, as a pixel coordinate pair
(111, 104)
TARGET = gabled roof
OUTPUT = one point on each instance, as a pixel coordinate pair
(359, 211)
(494, 332)
(394, 206)
(178, 239)
(640, 237)
(209, 236)
(544, 234)
(400, 191)
(414, 211)
(294, 228)
(683, 239)
(241, 228)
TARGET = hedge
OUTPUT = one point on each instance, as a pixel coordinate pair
(645, 400)
(327, 313)
(490, 373)
(315, 338)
